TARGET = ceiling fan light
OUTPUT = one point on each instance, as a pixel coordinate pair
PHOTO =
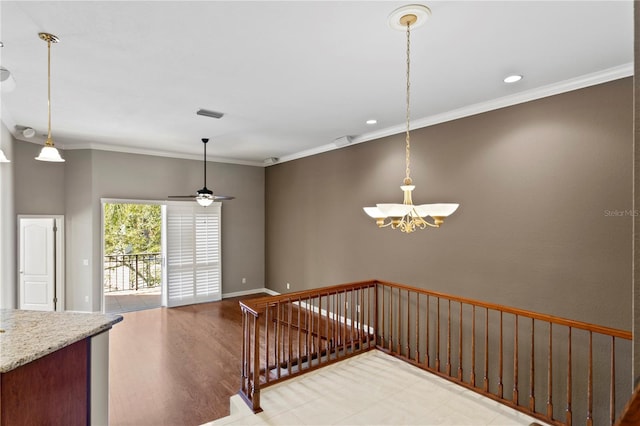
(204, 199)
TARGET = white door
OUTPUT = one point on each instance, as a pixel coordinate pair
(192, 240)
(37, 264)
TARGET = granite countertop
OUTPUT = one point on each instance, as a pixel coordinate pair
(28, 335)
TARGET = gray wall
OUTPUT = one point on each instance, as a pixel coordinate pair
(76, 187)
(544, 223)
(7, 224)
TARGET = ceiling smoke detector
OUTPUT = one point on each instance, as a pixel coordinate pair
(343, 141)
(270, 161)
(28, 132)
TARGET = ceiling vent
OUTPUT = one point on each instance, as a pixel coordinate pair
(209, 113)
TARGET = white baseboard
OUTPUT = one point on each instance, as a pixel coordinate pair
(249, 292)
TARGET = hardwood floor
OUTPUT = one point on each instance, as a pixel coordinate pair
(175, 366)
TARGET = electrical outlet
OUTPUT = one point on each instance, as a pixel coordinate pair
(244, 281)
(288, 286)
(86, 299)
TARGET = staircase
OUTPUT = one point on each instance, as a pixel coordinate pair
(371, 388)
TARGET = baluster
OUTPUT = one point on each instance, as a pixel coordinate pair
(266, 351)
(344, 324)
(515, 361)
(532, 397)
(309, 331)
(370, 306)
(312, 321)
(449, 338)
(500, 362)
(590, 383)
(332, 330)
(277, 336)
(426, 349)
(550, 375)
(399, 335)
(299, 334)
(472, 379)
(437, 334)
(568, 417)
(417, 327)
(352, 308)
(383, 325)
(408, 325)
(289, 343)
(361, 318)
(136, 273)
(390, 318)
(319, 337)
(460, 345)
(486, 351)
(336, 323)
(612, 391)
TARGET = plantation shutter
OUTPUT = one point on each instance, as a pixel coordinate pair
(193, 253)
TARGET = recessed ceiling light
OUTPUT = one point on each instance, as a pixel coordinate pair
(512, 78)
(372, 121)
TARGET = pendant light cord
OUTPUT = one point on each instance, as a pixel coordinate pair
(49, 142)
(407, 180)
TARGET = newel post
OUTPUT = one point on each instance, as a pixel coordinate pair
(255, 391)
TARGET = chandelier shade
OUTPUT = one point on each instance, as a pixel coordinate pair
(408, 217)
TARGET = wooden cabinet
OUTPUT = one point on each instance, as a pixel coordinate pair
(52, 390)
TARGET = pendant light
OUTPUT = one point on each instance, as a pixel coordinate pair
(406, 217)
(49, 151)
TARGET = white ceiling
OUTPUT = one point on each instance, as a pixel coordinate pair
(291, 77)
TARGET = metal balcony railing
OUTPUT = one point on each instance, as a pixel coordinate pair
(132, 271)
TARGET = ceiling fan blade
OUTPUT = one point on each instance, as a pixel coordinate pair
(223, 197)
(181, 196)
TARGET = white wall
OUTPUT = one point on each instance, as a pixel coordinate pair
(7, 223)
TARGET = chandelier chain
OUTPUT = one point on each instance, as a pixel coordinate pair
(408, 115)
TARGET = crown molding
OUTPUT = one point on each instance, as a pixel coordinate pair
(569, 85)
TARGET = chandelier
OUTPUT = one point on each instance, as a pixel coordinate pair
(408, 217)
(49, 152)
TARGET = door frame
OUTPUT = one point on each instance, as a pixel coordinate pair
(104, 201)
(59, 279)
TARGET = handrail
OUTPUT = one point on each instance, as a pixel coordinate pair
(256, 304)
(622, 334)
(466, 341)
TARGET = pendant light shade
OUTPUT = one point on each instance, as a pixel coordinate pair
(49, 152)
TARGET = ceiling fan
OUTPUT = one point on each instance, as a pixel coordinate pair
(204, 196)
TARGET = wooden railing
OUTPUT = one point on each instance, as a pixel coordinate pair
(557, 370)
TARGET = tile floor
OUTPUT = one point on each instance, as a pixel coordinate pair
(371, 389)
(129, 301)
